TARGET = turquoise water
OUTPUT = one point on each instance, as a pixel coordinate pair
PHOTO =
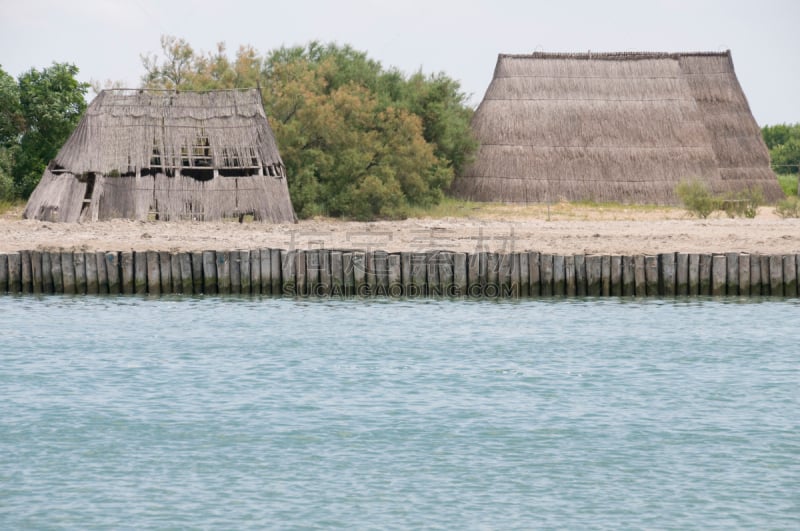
(253, 413)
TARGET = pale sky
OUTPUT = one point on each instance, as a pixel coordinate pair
(462, 38)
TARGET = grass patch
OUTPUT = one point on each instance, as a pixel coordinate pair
(788, 182)
(12, 208)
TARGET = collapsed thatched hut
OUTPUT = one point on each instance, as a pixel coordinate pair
(167, 155)
(624, 127)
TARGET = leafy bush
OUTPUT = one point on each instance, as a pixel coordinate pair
(744, 203)
(788, 182)
(788, 208)
(697, 197)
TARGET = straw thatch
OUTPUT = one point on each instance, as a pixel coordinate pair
(624, 127)
(155, 154)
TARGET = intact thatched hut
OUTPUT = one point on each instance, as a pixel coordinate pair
(167, 155)
(624, 127)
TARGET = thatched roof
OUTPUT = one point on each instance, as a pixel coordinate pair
(170, 155)
(622, 127)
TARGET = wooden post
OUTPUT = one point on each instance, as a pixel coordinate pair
(605, 275)
(224, 272)
(36, 272)
(719, 275)
(639, 277)
(694, 274)
(139, 272)
(337, 274)
(432, 276)
(370, 275)
(666, 262)
(704, 274)
(776, 275)
(324, 289)
(236, 272)
(79, 261)
(381, 273)
(569, 275)
(616, 276)
(546, 272)
(766, 284)
(394, 277)
(48, 284)
(559, 275)
(651, 275)
(26, 275)
(312, 272)
(360, 275)
(483, 274)
(682, 274)
(210, 284)
(92, 277)
(628, 276)
(15, 272)
(789, 276)
(3, 273)
(58, 277)
(755, 275)
(300, 273)
(112, 261)
(473, 282)
(504, 274)
(276, 270)
(405, 271)
(348, 274)
(153, 273)
(534, 272)
(245, 286)
(255, 272)
(524, 275)
(175, 273)
(197, 272)
(492, 275)
(515, 274)
(581, 284)
(288, 262)
(102, 272)
(732, 273)
(594, 272)
(266, 271)
(164, 271)
(460, 285)
(126, 269)
(744, 274)
(184, 261)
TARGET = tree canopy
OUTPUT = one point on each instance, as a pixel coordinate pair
(37, 114)
(358, 140)
(783, 142)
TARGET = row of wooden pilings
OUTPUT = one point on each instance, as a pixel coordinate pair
(325, 273)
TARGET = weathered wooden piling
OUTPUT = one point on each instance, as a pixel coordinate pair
(605, 275)
(300, 275)
(245, 286)
(337, 273)
(176, 280)
(224, 272)
(276, 271)
(36, 272)
(483, 264)
(288, 263)
(789, 276)
(394, 275)
(236, 273)
(3, 273)
(616, 275)
(651, 275)
(639, 278)
(381, 262)
(492, 275)
(504, 274)
(460, 285)
(546, 274)
(524, 274)
(755, 275)
(102, 272)
(732, 273)
(266, 271)
(628, 276)
(360, 274)
(719, 275)
(766, 284)
(127, 278)
(57, 276)
(210, 273)
(704, 274)
(47, 273)
(581, 282)
(559, 276)
(534, 273)
(744, 274)
(255, 272)
(682, 274)
(26, 275)
(594, 275)
(164, 271)
(666, 264)
(776, 275)
(185, 265)
(139, 272)
(348, 274)
(14, 273)
(569, 275)
(312, 272)
(92, 277)
(197, 272)
(153, 273)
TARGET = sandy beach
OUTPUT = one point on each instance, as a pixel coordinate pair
(569, 229)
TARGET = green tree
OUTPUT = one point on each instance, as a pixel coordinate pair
(11, 127)
(783, 142)
(52, 102)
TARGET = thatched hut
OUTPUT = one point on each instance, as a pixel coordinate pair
(167, 155)
(624, 127)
